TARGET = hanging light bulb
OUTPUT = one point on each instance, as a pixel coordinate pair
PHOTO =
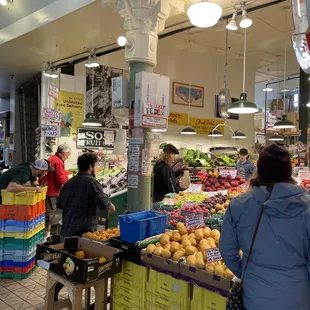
(268, 89)
(284, 124)
(215, 133)
(276, 137)
(188, 130)
(51, 71)
(92, 60)
(121, 41)
(239, 135)
(159, 130)
(4, 2)
(204, 14)
(91, 121)
(232, 25)
(245, 22)
(308, 105)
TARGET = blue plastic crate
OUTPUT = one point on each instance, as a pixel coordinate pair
(17, 255)
(10, 263)
(21, 226)
(141, 225)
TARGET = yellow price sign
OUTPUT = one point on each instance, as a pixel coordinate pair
(179, 119)
(204, 126)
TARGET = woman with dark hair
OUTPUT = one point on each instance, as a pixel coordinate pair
(277, 274)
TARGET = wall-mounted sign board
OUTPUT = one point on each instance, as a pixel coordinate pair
(95, 138)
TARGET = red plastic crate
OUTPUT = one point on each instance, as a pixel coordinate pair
(22, 213)
(18, 269)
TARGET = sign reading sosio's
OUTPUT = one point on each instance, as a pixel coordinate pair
(95, 138)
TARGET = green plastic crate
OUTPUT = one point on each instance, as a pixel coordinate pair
(17, 276)
(21, 244)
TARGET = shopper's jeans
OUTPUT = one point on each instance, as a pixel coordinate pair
(59, 286)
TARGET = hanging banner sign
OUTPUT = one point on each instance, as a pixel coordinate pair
(194, 220)
(52, 91)
(95, 138)
(133, 158)
(204, 126)
(50, 131)
(213, 255)
(132, 181)
(179, 119)
(146, 164)
(52, 115)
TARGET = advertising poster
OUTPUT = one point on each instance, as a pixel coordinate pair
(204, 126)
(72, 106)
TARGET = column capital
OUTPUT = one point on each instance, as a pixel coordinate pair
(142, 20)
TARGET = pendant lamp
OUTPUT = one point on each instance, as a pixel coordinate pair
(276, 137)
(215, 133)
(188, 130)
(284, 124)
(204, 14)
(159, 130)
(239, 135)
(243, 106)
(91, 120)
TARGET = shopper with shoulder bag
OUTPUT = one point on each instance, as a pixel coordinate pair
(271, 225)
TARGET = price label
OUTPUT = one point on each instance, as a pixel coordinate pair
(228, 172)
(304, 174)
(195, 188)
(213, 255)
(190, 204)
(194, 220)
(168, 201)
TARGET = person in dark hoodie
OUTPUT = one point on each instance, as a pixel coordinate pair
(278, 272)
(164, 176)
(245, 168)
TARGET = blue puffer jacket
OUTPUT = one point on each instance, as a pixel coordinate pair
(278, 274)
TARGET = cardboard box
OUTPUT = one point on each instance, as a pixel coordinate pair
(160, 264)
(205, 279)
(60, 259)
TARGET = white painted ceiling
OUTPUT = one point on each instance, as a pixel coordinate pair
(98, 25)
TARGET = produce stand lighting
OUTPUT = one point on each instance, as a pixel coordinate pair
(159, 130)
(232, 25)
(4, 2)
(267, 89)
(188, 130)
(215, 133)
(284, 124)
(239, 135)
(91, 121)
(92, 60)
(204, 14)
(276, 137)
(245, 22)
(308, 104)
(51, 71)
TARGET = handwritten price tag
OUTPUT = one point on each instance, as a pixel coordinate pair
(194, 220)
(304, 174)
(195, 188)
(213, 255)
(226, 172)
(168, 201)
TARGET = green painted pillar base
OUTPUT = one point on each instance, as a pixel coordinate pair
(139, 199)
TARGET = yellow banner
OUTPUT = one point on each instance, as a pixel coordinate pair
(204, 126)
(72, 106)
(179, 119)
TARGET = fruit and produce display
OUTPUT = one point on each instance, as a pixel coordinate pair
(305, 184)
(82, 255)
(216, 204)
(192, 246)
(103, 235)
(182, 197)
(112, 180)
(213, 182)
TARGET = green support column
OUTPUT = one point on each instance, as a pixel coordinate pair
(139, 199)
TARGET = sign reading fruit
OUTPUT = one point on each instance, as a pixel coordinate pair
(194, 220)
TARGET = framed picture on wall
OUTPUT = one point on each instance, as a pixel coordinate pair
(185, 94)
(232, 116)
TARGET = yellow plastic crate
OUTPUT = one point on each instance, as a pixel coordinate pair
(22, 235)
(157, 306)
(43, 193)
(132, 302)
(133, 275)
(128, 290)
(127, 307)
(166, 289)
(8, 198)
(27, 198)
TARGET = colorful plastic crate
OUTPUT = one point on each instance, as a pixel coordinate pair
(21, 226)
(27, 198)
(22, 212)
(17, 255)
(17, 267)
(205, 299)
(24, 235)
(16, 275)
(9, 243)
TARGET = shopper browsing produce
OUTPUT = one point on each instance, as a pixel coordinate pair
(164, 176)
(278, 272)
(14, 179)
(244, 166)
(55, 182)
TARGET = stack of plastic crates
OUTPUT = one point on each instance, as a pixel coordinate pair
(22, 222)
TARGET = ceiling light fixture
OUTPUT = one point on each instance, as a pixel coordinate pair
(245, 22)
(204, 14)
(215, 133)
(4, 2)
(243, 106)
(188, 130)
(308, 105)
(276, 137)
(232, 25)
(92, 60)
(284, 90)
(268, 89)
(159, 130)
(51, 71)
(239, 135)
(284, 124)
(121, 41)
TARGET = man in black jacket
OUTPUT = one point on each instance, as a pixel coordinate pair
(164, 176)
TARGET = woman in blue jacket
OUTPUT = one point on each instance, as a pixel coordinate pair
(278, 273)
